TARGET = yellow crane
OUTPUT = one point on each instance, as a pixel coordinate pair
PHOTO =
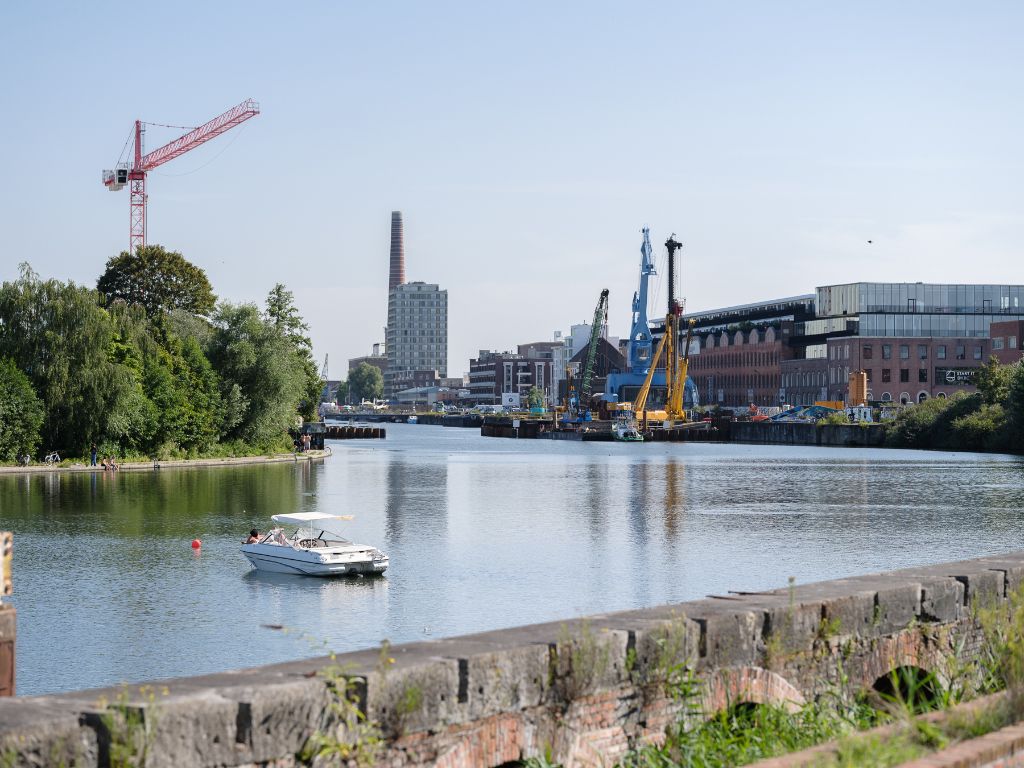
(676, 364)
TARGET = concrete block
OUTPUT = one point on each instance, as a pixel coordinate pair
(1012, 567)
(176, 731)
(897, 602)
(407, 699)
(588, 658)
(277, 719)
(730, 634)
(44, 731)
(851, 614)
(942, 600)
(983, 587)
(791, 625)
(494, 679)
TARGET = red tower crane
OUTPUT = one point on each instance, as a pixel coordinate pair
(134, 174)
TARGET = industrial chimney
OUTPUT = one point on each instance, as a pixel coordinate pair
(397, 275)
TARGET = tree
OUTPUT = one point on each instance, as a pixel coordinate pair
(282, 313)
(341, 393)
(58, 335)
(365, 383)
(21, 413)
(1015, 406)
(260, 368)
(994, 381)
(535, 398)
(158, 280)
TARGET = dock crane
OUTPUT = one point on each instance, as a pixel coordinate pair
(134, 174)
(578, 402)
(676, 364)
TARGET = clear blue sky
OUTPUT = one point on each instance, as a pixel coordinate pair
(526, 143)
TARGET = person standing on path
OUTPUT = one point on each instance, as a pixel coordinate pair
(92, 455)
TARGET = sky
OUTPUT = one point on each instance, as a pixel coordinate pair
(526, 144)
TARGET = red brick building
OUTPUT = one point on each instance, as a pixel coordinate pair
(1006, 338)
(735, 368)
(907, 369)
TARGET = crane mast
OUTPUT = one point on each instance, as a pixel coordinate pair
(600, 318)
(134, 175)
(641, 341)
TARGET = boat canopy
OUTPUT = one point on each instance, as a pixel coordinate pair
(308, 519)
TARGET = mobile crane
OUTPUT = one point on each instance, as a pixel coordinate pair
(578, 404)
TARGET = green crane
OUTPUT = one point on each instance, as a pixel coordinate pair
(600, 318)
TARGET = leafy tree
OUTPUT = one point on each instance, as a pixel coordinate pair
(21, 413)
(341, 393)
(158, 280)
(535, 398)
(254, 355)
(994, 381)
(1015, 406)
(365, 383)
(58, 335)
(282, 313)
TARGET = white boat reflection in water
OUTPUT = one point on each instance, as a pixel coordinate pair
(314, 548)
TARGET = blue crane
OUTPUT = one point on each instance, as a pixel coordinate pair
(641, 340)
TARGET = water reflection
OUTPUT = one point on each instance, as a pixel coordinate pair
(482, 533)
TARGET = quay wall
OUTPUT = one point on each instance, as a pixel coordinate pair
(792, 433)
(583, 690)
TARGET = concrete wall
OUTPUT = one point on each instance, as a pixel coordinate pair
(584, 689)
(782, 433)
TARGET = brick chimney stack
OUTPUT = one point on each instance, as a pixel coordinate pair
(397, 274)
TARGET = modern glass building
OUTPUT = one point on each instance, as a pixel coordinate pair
(921, 310)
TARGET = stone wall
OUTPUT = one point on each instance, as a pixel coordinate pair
(583, 690)
(793, 433)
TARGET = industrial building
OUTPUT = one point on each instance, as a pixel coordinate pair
(914, 341)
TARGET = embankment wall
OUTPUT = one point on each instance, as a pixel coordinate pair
(583, 690)
(783, 433)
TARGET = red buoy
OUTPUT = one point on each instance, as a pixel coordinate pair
(196, 543)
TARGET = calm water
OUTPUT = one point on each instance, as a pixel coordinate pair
(482, 533)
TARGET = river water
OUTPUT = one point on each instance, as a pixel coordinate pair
(481, 532)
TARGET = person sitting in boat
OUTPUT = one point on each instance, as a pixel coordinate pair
(254, 537)
(279, 538)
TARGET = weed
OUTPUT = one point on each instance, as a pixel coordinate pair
(828, 628)
(349, 737)
(588, 659)
(130, 728)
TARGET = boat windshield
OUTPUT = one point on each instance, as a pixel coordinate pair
(306, 538)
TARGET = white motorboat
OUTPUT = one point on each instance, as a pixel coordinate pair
(313, 548)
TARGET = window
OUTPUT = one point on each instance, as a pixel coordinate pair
(886, 375)
(904, 351)
(922, 351)
(977, 353)
(869, 351)
(961, 352)
(922, 375)
(904, 374)
(940, 351)
(997, 342)
(868, 372)
(1012, 342)
(887, 351)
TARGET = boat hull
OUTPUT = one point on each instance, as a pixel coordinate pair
(292, 562)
